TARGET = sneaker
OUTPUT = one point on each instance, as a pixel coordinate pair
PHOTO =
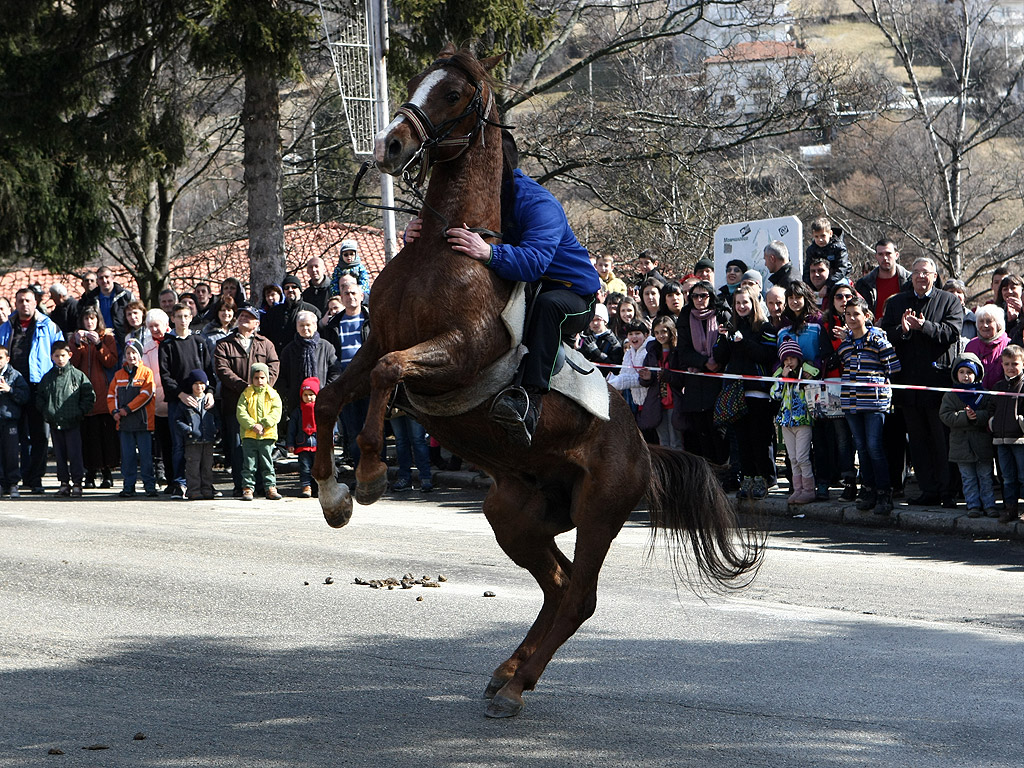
(306, 492)
(38, 490)
(744, 490)
(974, 512)
(428, 488)
(178, 494)
(247, 494)
(152, 493)
(759, 489)
(218, 494)
(64, 490)
(273, 495)
(106, 483)
(989, 511)
(126, 494)
(401, 486)
(76, 490)
(15, 494)
(90, 482)
(821, 492)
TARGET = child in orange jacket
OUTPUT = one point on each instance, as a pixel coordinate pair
(130, 401)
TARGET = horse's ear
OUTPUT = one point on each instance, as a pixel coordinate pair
(490, 63)
(448, 50)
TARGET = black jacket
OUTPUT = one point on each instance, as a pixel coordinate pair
(925, 355)
(278, 322)
(293, 373)
(700, 391)
(121, 298)
(178, 358)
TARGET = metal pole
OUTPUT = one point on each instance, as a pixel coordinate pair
(316, 173)
(377, 16)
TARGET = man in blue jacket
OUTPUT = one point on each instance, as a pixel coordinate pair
(538, 245)
(28, 335)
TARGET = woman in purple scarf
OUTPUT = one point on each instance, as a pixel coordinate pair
(694, 402)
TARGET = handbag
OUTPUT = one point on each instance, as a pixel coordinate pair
(730, 405)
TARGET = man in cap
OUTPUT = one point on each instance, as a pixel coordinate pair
(279, 320)
(233, 360)
(704, 269)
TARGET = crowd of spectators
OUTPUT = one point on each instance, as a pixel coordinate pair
(155, 393)
(206, 372)
(859, 365)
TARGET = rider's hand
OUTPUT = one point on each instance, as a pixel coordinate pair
(412, 230)
(469, 243)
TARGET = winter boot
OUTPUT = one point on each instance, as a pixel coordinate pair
(1010, 509)
(883, 503)
(744, 491)
(868, 498)
(849, 489)
(806, 494)
(759, 488)
(798, 488)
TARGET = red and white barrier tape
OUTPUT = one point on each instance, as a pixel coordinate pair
(773, 379)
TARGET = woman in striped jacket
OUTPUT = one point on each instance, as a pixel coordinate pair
(868, 358)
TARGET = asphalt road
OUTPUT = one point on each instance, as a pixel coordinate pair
(209, 628)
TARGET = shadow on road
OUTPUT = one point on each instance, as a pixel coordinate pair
(392, 701)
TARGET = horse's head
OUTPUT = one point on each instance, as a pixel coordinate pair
(448, 104)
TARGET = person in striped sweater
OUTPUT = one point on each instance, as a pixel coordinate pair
(868, 358)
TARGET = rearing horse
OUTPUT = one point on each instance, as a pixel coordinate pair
(435, 324)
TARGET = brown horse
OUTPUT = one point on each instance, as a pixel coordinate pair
(435, 324)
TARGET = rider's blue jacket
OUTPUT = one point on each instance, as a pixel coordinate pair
(545, 247)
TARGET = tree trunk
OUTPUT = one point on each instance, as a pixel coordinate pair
(262, 179)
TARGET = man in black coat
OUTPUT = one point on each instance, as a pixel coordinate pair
(278, 324)
(305, 356)
(924, 326)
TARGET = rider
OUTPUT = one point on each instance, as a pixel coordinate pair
(537, 245)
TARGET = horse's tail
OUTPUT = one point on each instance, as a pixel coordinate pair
(688, 506)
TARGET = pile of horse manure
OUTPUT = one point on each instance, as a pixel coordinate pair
(408, 581)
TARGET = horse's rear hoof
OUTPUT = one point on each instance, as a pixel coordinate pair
(370, 491)
(503, 706)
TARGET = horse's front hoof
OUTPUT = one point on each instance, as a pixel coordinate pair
(495, 685)
(503, 706)
(336, 502)
(369, 491)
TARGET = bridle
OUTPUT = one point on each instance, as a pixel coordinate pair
(433, 137)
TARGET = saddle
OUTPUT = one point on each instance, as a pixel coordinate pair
(575, 377)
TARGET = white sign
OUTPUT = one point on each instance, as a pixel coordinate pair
(746, 240)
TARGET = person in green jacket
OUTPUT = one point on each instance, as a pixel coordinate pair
(64, 397)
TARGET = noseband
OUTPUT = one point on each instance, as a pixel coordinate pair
(434, 137)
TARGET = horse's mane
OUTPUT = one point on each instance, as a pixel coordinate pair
(467, 60)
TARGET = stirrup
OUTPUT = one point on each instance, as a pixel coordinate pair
(519, 407)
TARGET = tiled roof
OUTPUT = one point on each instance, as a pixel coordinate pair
(301, 242)
(759, 50)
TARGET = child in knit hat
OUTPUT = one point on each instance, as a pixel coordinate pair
(258, 412)
(970, 444)
(794, 416)
(131, 401)
(302, 434)
(199, 427)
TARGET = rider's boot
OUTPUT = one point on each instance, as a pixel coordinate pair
(518, 411)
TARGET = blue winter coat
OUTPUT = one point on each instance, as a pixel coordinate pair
(541, 244)
(198, 425)
(11, 402)
(47, 332)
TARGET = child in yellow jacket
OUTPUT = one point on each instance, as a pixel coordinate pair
(259, 411)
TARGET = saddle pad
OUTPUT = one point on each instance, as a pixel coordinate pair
(589, 391)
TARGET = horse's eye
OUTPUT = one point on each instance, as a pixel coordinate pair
(453, 97)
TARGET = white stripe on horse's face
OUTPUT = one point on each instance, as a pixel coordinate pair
(419, 98)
